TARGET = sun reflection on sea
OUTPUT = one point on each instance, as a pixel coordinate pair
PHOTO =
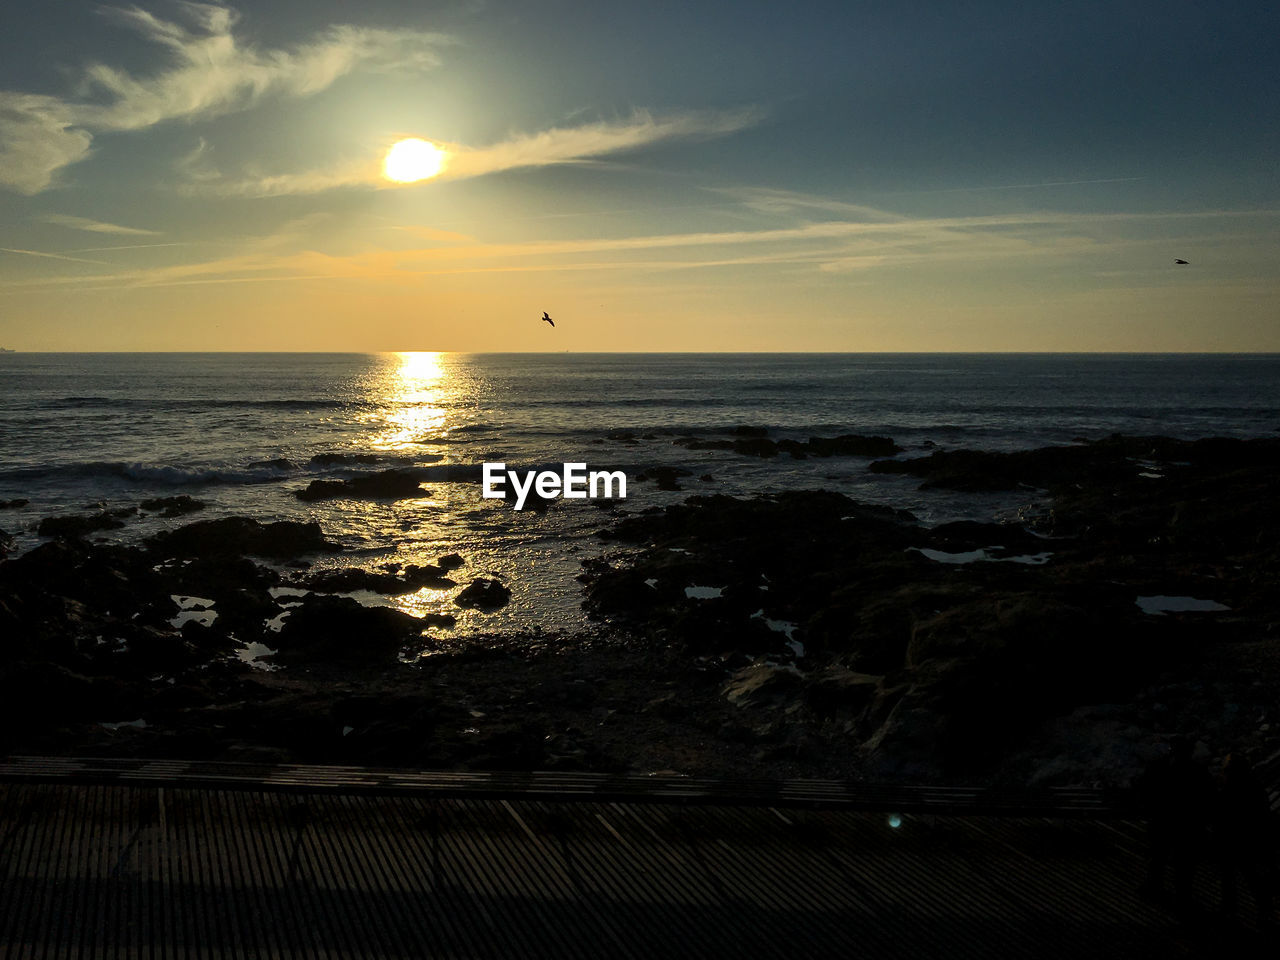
(413, 396)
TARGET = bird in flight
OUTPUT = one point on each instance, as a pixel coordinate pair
(548, 319)
(1181, 261)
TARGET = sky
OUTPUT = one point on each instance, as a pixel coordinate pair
(707, 176)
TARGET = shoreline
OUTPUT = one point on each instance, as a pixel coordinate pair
(879, 649)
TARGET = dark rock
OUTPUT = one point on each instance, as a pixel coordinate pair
(387, 729)
(507, 746)
(173, 506)
(13, 504)
(1113, 460)
(450, 561)
(164, 650)
(484, 594)
(74, 527)
(350, 579)
(280, 463)
(427, 575)
(761, 683)
(966, 535)
(386, 485)
(340, 629)
(43, 693)
(754, 442)
(840, 694)
(701, 443)
(998, 667)
(665, 477)
(909, 743)
(241, 535)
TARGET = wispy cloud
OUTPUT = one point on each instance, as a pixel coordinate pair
(96, 226)
(588, 141)
(558, 145)
(39, 135)
(208, 73)
(874, 240)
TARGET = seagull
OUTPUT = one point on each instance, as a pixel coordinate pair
(1181, 261)
(548, 319)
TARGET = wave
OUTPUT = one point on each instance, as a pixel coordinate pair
(165, 475)
(258, 472)
(195, 403)
(474, 428)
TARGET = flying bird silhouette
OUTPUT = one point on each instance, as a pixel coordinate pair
(1181, 261)
(548, 319)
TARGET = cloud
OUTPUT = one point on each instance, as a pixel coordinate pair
(208, 73)
(559, 145)
(96, 226)
(575, 144)
(38, 136)
(876, 240)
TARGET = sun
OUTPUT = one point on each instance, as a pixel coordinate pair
(413, 159)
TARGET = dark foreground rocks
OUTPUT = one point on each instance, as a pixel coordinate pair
(798, 635)
(977, 650)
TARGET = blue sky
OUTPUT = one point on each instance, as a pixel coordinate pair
(745, 176)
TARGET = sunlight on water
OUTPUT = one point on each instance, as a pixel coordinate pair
(413, 394)
(424, 601)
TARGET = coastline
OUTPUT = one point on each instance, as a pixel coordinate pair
(879, 649)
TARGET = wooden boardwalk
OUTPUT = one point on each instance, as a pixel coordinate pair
(155, 866)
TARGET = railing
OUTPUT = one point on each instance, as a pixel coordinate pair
(565, 786)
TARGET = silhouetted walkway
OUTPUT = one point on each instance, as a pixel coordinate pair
(171, 870)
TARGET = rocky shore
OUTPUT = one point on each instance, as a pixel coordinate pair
(803, 634)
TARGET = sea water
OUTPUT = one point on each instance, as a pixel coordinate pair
(242, 433)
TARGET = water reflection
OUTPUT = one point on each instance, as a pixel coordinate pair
(414, 393)
(433, 414)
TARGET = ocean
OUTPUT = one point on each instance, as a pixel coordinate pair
(243, 432)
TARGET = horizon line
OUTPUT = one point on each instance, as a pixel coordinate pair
(1071, 353)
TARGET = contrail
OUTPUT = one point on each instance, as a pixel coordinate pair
(53, 256)
(133, 246)
(1022, 186)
